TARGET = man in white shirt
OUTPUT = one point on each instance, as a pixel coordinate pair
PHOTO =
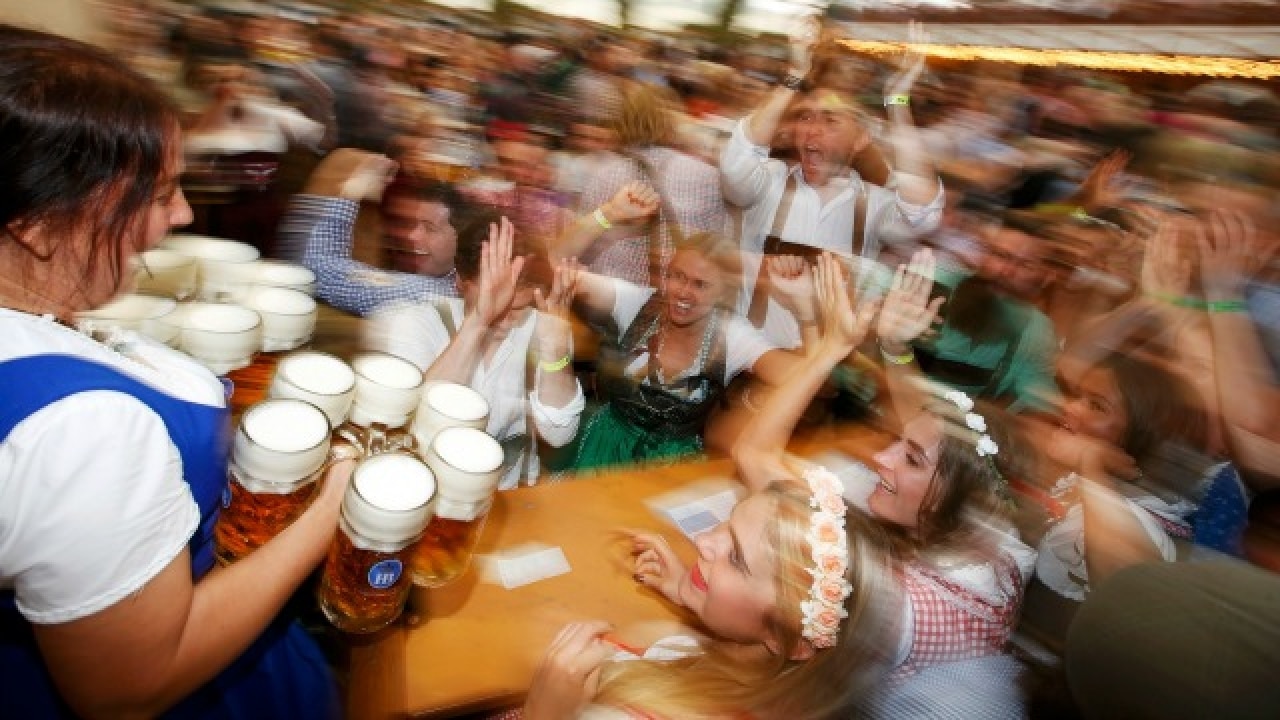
(491, 339)
(816, 201)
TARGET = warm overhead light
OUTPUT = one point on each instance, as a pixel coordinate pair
(1126, 62)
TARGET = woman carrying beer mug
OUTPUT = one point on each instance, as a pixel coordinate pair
(113, 459)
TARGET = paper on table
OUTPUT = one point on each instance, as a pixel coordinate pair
(522, 565)
(697, 508)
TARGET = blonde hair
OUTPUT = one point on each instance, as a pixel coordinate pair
(645, 116)
(720, 684)
(721, 253)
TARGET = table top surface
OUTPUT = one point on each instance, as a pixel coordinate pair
(474, 645)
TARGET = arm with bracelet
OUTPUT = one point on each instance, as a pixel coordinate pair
(907, 312)
(633, 203)
(915, 173)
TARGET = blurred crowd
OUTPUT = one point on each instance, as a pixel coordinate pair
(1082, 262)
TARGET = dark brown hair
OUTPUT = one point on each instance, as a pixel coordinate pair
(85, 143)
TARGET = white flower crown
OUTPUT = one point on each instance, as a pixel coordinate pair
(985, 447)
(824, 609)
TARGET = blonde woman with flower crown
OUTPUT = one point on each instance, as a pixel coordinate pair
(790, 593)
(939, 490)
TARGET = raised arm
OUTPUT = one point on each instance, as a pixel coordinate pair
(496, 289)
(557, 386)
(907, 313)
(760, 450)
(634, 202)
(917, 178)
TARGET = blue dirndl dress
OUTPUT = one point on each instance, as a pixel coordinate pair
(282, 674)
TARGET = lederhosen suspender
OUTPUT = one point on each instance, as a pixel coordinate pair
(775, 245)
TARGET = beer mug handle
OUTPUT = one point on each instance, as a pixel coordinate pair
(401, 442)
(377, 439)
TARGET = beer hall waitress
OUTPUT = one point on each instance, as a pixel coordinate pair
(112, 459)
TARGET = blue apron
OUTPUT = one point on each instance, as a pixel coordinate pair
(283, 673)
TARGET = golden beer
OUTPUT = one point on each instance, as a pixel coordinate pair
(364, 585)
(249, 519)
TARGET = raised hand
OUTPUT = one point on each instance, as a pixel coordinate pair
(843, 329)
(352, 174)
(1166, 269)
(569, 675)
(1231, 253)
(635, 201)
(791, 281)
(912, 62)
(656, 564)
(553, 330)
(499, 273)
(907, 311)
(1097, 190)
(804, 38)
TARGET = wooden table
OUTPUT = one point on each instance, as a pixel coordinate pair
(475, 645)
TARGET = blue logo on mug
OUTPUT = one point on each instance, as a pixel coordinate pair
(226, 496)
(385, 574)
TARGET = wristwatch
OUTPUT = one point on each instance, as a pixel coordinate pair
(791, 81)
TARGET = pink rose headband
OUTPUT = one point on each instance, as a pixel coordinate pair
(824, 608)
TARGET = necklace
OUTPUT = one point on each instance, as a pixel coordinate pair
(704, 349)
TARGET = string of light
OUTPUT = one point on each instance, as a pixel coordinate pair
(1096, 60)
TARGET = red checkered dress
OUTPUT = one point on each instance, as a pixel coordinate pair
(953, 622)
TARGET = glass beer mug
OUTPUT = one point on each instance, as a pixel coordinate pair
(318, 378)
(445, 405)
(387, 391)
(467, 465)
(363, 587)
(278, 453)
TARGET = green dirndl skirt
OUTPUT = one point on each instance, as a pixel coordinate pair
(609, 441)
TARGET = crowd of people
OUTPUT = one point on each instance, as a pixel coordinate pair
(1051, 292)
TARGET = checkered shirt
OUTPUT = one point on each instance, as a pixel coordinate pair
(952, 622)
(318, 232)
(690, 186)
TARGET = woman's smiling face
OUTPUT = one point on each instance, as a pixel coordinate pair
(694, 286)
(906, 469)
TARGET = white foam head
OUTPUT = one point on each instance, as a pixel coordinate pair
(388, 370)
(394, 483)
(286, 425)
(468, 450)
(316, 372)
(458, 402)
(211, 317)
(282, 301)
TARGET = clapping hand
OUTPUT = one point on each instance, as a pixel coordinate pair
(1166, 270)
(553, 329)
(569, 675)
(1231, 253)
(907, 311)
(843, 329)
(499, 273)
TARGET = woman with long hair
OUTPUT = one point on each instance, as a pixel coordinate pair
(797, 615)
(113, 458)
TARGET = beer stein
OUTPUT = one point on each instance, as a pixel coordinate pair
(387, 391)
(318, 378)
(467, 465)
(278, 453)
(445, 405)
(364, 587)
